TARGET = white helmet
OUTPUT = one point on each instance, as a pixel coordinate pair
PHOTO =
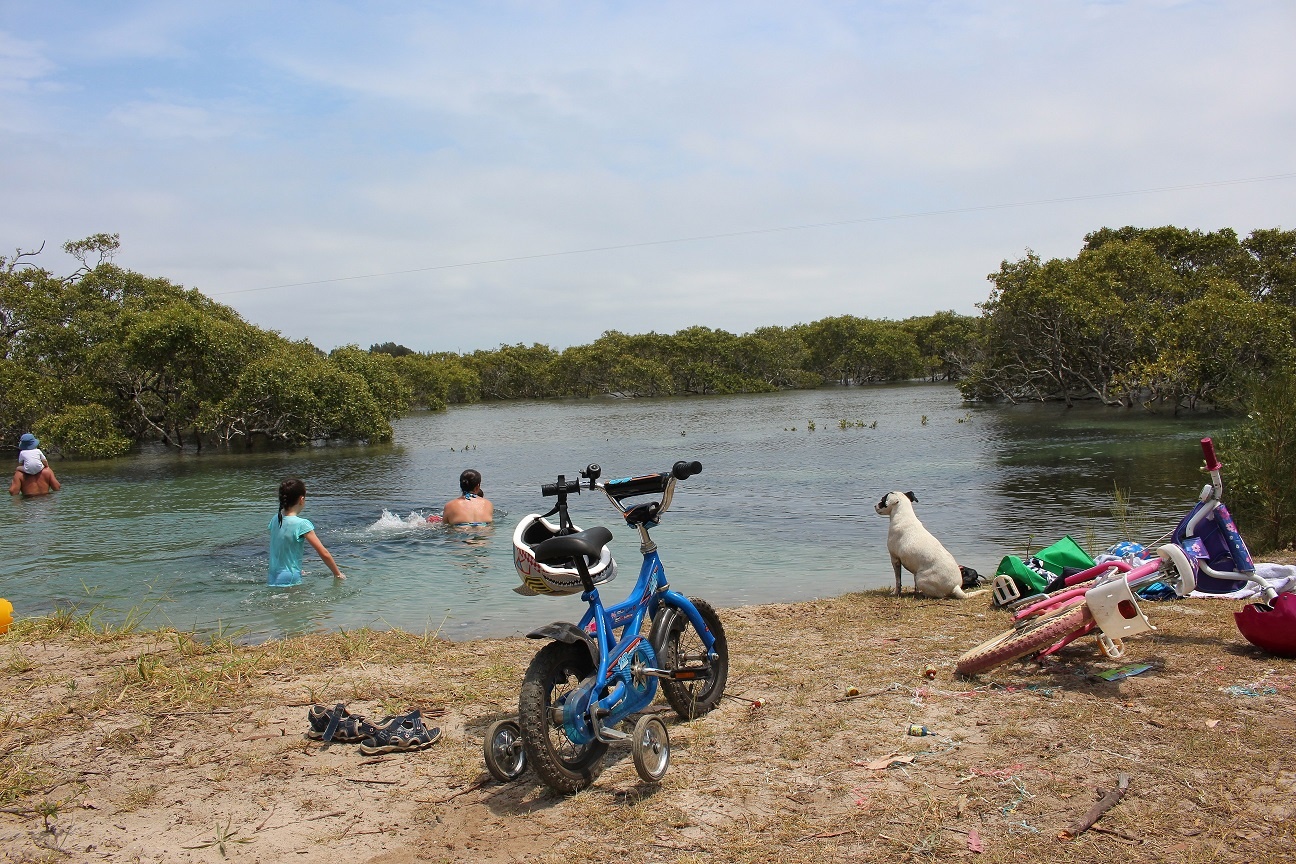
(540, 578)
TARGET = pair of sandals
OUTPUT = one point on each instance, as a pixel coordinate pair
(394, 733)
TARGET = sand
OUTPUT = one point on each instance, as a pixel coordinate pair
(161, 747)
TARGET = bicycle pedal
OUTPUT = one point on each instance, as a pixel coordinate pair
(699, 673)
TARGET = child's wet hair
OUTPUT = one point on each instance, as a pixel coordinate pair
(290, 492)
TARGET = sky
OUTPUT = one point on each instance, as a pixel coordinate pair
(544, 171)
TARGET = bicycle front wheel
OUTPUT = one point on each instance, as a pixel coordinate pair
(556, 672)
(681, 651)
(1037, 635)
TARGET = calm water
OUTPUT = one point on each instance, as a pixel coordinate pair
(779, 512)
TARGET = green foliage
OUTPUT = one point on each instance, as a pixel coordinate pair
(1162, 316)
(295, 396)
(700, 360)
(1261, 459)
(106, 357)
(390, 348)
(86, 431)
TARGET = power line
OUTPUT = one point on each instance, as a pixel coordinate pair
(756, 231)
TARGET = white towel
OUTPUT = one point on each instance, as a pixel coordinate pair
(1281, 576)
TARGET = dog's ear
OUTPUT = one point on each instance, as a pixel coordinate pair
(911, 497)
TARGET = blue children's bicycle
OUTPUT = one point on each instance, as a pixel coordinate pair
(602, 670)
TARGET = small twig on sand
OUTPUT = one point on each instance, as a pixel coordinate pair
(267, 819)
(326, 815)
(464, 791)
(1118, 834)
(866, 695)
(823, 835)
(264, 735)
(1105, 803)
(376, 782)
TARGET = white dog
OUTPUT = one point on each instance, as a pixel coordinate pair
(936, 573)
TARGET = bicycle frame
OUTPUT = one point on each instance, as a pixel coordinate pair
(616, 655)
(1205, 543)
(1186, 537)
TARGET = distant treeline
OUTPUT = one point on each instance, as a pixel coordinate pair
(697, 360)
(102, 358)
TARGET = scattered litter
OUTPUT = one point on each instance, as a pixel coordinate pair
(974, 841)
(1022, 795)
(854, 692)
(918, 731)
(887, 761)
(929, 671)
(1250, 692)
(1122, 672)
(1040, 689)
(756, 704)
(1211, 724)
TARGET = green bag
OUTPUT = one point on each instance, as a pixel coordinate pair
(1064, 553)
(1028, 581)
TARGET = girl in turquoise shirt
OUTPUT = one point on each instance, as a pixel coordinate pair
(287, 530)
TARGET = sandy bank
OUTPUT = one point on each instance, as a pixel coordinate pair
(158, 747)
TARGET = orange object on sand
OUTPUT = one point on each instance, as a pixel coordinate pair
(6, 615)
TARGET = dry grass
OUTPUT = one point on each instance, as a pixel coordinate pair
(194, 745)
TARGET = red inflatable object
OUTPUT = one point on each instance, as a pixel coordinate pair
(1273, 630)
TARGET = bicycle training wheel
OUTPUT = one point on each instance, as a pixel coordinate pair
(680, 649)
(1036, 635)
(556, 671)
(503, 752)
(650, 746)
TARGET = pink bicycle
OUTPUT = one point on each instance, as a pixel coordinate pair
(1206, 543)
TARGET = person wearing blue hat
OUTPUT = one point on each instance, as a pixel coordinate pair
(30, 458)
(33, 475)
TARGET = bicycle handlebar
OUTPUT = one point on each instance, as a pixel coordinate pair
(563, 487)
(1208, 450)
(651, 484)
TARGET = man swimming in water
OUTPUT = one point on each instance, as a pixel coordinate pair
(470, 508)
(34, 484)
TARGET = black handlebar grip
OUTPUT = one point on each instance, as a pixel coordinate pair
(684, 470)
(549, 490)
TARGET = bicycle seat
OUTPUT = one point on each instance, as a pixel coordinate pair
(588, 543)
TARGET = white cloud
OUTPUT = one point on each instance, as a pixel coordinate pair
(268, 145)
(167, 120)
(22, 62)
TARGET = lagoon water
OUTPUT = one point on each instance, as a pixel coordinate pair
(779, 512)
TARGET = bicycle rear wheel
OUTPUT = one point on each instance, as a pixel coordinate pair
(1037, 635)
